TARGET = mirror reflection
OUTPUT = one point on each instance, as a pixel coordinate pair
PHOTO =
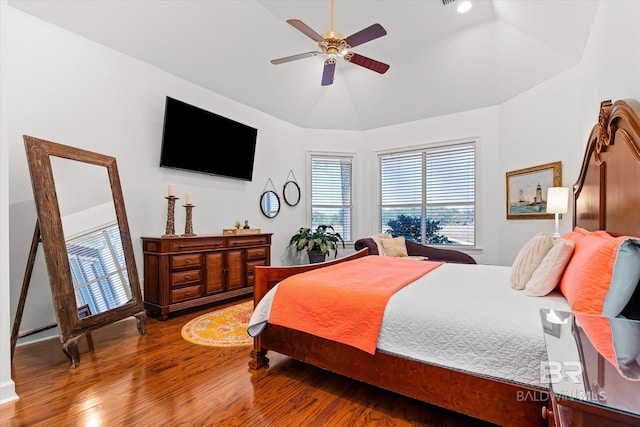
(291, 193)
(92, 236)
(270, 204)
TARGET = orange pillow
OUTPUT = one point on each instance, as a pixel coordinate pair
(602, 274)
(575, 235)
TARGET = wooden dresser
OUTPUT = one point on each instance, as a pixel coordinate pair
(186, 272)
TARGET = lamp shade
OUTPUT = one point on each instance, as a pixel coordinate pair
(558, 200)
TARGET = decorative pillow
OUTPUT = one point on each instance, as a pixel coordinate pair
(575, 235)
(528, 259)
(603, 273)
(547, 276)
(394, 246)
(377, 237)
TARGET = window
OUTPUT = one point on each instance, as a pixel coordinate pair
(331, 183)
(428, 195)
(98, 269)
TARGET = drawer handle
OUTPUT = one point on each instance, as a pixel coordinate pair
(186, 277)
(187, 261)
(180, 246)
(546, 413)
(186, 294)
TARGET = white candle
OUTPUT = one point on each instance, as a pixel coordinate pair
(171, 190)
(188, 199)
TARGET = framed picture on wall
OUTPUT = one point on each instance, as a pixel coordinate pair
(527, 191)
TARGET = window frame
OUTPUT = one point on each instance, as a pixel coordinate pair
(421, 148)
(338, 155)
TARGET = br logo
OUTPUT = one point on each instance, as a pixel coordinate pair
(554, 372)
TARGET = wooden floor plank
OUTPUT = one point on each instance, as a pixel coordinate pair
(160, 379)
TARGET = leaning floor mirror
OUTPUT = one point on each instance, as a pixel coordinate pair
(86, 241)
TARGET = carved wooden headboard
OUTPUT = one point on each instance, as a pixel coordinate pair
(607, 193)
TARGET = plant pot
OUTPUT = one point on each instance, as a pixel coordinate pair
(316, 256)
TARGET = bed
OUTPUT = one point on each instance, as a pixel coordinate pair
(499, 390)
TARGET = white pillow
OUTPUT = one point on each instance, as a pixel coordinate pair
(547, 276)
(377, 239)
(528, 259)
(395, 246)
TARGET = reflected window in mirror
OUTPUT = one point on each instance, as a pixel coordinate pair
(270, 204)
(98, 270)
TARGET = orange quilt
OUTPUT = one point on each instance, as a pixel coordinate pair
(345, 302)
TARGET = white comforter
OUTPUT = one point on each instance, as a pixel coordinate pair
(461, 316)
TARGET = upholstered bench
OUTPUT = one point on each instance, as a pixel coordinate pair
(414, 249)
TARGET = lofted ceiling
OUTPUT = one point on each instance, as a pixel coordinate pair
(441, 62)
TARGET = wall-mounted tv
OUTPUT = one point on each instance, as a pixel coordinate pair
(198, 140)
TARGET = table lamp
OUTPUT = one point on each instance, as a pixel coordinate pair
(557, 203)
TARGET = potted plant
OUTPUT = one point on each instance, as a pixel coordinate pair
(317, 243)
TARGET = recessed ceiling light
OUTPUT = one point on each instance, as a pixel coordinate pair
(464, 6)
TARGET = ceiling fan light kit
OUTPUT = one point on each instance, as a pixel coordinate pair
(333, 44)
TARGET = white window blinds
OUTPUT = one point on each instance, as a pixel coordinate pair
(99, 270)
(428, 195)
(331, 183)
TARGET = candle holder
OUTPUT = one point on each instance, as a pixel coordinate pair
(188, 226)
(171, 231)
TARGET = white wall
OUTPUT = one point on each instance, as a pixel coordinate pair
(552, 121)
(538, 127)
(72, 91)
(7, 387)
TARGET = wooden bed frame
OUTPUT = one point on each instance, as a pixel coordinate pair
(606, 197)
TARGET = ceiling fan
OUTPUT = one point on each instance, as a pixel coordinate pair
(334, 44)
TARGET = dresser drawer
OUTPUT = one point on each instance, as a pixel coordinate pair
(184, 294)
(256, 253)
(181, 261)
(235, 242)
(251, 270)
(184, 245)
(181, 277)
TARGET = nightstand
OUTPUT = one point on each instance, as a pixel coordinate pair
(593, 370)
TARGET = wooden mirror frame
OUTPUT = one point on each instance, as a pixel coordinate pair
(70, 325)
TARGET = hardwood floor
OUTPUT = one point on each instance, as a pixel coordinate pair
(160, 379)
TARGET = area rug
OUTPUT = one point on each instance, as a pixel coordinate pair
(226, 327)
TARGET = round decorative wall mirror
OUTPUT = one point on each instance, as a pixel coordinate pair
(270, 204)
(291, 193)
(291, 190)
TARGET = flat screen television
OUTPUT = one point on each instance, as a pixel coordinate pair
(198, 140)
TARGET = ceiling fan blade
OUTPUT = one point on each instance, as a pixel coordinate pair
(293, 57)
(363, 61)
(304, 28)
(372, 32)
(328, 71)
